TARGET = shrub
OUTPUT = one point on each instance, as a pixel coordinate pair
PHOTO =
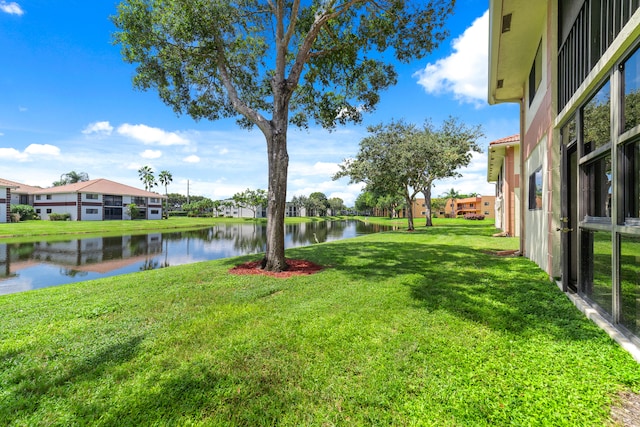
(473, 216)
(60, 216)
(26, 212)
(133, 211)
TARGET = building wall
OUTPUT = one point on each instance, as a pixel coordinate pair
(5, 197)
(482, 205)
(537, 144)
(83, 207)
(507, 204)
(46, 204)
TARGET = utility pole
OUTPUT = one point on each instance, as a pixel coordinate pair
(187, 191)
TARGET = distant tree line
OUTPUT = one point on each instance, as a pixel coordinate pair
(316, 204)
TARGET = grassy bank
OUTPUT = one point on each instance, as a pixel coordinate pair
(29, 230)
(422, 328)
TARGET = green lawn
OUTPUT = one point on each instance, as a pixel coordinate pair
(35, 230)
(421, 328)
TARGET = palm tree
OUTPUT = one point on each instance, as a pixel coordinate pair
(453, 195)
(146, 176)
(165, 179)
(71, 178)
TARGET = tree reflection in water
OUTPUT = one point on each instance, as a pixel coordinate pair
(28, 266)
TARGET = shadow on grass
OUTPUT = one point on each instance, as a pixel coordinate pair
(505, 293)
(31, 385)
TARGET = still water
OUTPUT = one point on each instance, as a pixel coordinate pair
(26, 266)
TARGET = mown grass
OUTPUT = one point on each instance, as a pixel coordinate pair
(36, 230)
(421, 328)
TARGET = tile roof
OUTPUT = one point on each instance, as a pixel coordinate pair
(512, 138)
(18, 187)
(100, 186)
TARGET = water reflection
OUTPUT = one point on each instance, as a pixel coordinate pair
(25, 266)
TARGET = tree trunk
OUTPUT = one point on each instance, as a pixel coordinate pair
(427, 205)
(409, 209)
(277, 194)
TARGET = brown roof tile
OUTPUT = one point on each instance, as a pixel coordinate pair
(512, 138)
(19, 187)
(100, 186)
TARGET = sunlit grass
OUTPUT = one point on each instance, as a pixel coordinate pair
(35, 230)
(421, 328)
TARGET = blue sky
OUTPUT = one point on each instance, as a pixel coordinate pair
(67, 103)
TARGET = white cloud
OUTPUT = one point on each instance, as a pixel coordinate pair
(101, 128)
(22, 109)
(463, 73)
(12, 154)
(191, 159)
(223, 151)
(151, 154)
(29, 152)
(150, 135)
(11, 8)
(473, 179)
(42, 150)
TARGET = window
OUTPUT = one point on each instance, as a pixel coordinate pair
(38, 211)
(139, 201)
(487, 203)
(535, 190)
(631, 181)
(598, 185)
(92, 197)
(597, 120)
(154, 200)
(568, 131)
(630, 283)
(49, 211)
(632, 91)
(535, 75)
(154, 211)
(596, 268)
(38, 197)
(112, 213)
(92, 211)
(487, 213)
(48, 196)
(112, 200)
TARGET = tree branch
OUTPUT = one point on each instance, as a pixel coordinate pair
(237, 103)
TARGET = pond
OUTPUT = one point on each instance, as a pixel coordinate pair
(26, 266)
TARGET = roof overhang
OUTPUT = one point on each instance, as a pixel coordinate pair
(497, 153)
(515, 29)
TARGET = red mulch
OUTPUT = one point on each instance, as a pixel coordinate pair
(297, 267)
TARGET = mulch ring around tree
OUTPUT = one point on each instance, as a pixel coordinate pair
(296, 267)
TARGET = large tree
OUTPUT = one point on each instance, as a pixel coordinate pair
(386, 163)
(251, 199)
(318, 203)
(442, 152)
(274, 62)
(401, 159)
